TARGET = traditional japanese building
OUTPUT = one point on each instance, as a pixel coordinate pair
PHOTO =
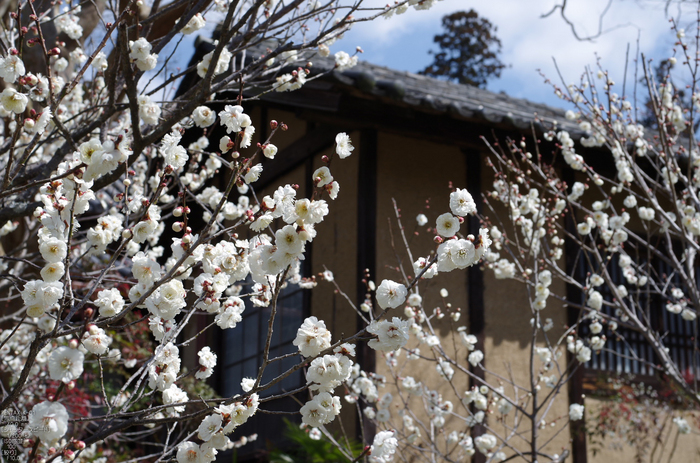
(414, 138)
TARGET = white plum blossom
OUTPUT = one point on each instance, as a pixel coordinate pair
(149, 112)
(100, 62)
(343, 146)
(253, 173)
(140, 52)
(383, 447)
(96, 341)
(447, 225)
(109, 302)
(485, 443)
(66, 364)
(40, 295)
(391, 335)
(462, 203)
(13, 101)
(343, 61)
(476, 357)
(312, 337)
(174, 154)
(11, 68)
(188, 452)
(209, 426)
(194, 24)
(69, 24)
(322, 176)
(646, 213)
(391, 294)
(174, 395)
(203, 116)
(420, 266)
(247, 384)
(53, 250)
(269, 151)
(595, 300)
(207, 362)
(221, 65)
(583, 353)
(575, 412)
(683, 426)
(48, 421)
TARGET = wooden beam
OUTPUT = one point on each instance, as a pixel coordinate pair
(475, 285)
(579, 452)
(366, 247)
(359, 114)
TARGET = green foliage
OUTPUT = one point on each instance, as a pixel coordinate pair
(469, 50)
(304, 449)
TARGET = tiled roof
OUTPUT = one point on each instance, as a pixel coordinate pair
(438, 95)
(430, 94)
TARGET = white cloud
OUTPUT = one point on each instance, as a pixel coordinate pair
(530, 42)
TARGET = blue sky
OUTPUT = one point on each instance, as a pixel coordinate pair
(529, 41)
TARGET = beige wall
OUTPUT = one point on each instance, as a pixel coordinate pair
(414, 171)
(335, 249)
(611, 449)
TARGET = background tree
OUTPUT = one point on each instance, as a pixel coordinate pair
(469, 50)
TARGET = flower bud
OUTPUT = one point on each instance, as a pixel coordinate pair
(177, 227)
(177, 212)
(73, 343)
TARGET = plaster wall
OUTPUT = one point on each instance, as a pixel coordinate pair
(417, 173)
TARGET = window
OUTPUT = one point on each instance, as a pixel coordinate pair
(626, 351)
(241, 355)
(242, 346)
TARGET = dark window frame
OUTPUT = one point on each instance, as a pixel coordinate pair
(624, 343)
